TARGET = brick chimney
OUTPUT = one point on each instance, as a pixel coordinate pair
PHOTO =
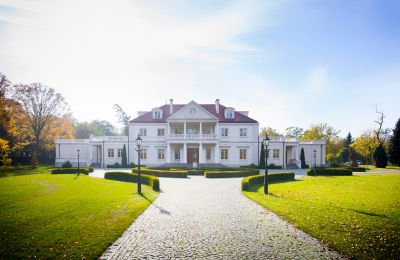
(217, 105)
(171, 106)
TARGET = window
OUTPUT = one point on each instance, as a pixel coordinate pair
(161, 154)
(179, 131)
(110, 152)
(243, 131)
(177, 154)
(275, 154)
(192, 111)
(143, 154)
(224, 154)
(161, 132)
(119, 152)
(157, 114)
(207, 131)
(192, 131)
(143, 132)
(208, 153)
(243, 154)
(229, 114)
(224, 131)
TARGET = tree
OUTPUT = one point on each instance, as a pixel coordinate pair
(380, 157)
(302, 159)
(268, 130)
(365, 145)
(394, 145)
(123, 118)
(262, 156)
(345, 153)
(124, 160)
(294, 131)
(4, 85)
(43, 106)
(96, 127)
(326, 132)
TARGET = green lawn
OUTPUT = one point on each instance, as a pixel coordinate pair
(357, 215)
(6, 171)
(54, 216)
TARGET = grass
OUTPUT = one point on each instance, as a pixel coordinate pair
(7, 171)
(54, 216)
(357, 215)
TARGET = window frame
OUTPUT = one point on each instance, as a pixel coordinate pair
(161, 154)
(119, 152)
(143, 132)
(243, 132)
(110, 151)
(243, 151)
(224, 154)
(160, 130)
(223, 130)
(275, 153)
(143, 154)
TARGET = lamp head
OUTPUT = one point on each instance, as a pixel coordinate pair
(266, 140)
(138, 141)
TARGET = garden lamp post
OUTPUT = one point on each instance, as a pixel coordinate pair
(139, 149)
(78, 151)
(315, 162)
(266, 143)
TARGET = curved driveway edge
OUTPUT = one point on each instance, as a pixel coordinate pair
(210, 218)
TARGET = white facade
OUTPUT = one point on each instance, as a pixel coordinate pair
(190, 134)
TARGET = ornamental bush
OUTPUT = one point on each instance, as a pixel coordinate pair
(380, 157)
(149, 180)
(85, 171)
(330, 172)
(66, 164)
(230, 174)
(162, 173)
(248, 182)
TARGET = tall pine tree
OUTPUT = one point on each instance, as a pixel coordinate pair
(345, 154)
(124, 160)
(394, 145)
(262, 156)
(380, 157)
(302, 159)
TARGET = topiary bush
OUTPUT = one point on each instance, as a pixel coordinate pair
(330, 172)
(357, 169)
(248, 182)
(149, 180)
(162, 173)
(380, 157)
(230, 174)
(85, 171)
(66, 164)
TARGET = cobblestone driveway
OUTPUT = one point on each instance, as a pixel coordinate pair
(210, 218)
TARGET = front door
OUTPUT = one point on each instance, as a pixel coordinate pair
(192, 155)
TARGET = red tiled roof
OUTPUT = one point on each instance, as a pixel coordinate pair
(148, 116)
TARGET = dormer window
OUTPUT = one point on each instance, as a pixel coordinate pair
(229, 113)
(157, 114)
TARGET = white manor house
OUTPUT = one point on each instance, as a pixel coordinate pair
(189, 135)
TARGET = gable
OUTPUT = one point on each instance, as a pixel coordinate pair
(192, 111)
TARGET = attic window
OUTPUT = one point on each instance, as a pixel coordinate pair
(229, 113)
(157, 114)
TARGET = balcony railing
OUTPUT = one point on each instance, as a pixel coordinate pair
(192, 136)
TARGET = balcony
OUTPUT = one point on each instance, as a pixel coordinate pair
(193, 137)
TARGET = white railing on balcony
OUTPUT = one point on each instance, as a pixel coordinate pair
(192, 136)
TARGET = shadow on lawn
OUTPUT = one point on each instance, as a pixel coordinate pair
(162, 211)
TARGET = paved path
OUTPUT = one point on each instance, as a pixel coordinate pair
(210, 218)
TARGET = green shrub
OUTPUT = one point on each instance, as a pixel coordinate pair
(66, 164)
(357, 169)
(162, 173)
(196, 172)
(259, 179)
(117, 165)
(331, 172)
(273, 166)
(230, 174)
(149, 180)
(72, 170)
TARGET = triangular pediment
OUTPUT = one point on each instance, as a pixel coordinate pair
(192, 111)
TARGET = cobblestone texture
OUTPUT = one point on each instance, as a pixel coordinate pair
(210, 218)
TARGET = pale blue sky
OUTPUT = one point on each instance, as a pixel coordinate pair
(288, 62)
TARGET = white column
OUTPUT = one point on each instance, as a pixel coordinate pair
(201, 153)
(168, 129)
(201, 130)
(184, 152)
(90, 155)
(216, 153)
(168, 153)
(184, 132)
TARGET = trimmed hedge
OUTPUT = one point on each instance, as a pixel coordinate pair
(259, 179)
(72, 170)
(196, 172)
(230, 174)
(357, 169)
(149, 180)
(162, 173)
(331, 172)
